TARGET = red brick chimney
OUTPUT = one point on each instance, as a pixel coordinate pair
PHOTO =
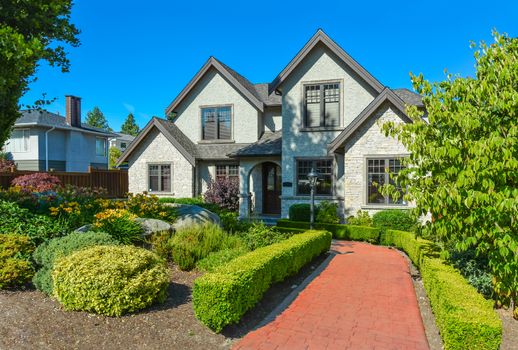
(73, 113)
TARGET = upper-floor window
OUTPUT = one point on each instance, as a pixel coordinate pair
(100, 147)
(123, 145)
(324, 168)
(322, 105)
(216, 123)
(378, 174)
(229, 171)
(19, 141)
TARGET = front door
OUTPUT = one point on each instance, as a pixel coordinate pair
(271, 188)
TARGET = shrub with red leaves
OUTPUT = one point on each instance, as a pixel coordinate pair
(224, 193)
(37, 182)
(6, 165)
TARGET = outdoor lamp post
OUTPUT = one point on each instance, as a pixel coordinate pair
(313, 177)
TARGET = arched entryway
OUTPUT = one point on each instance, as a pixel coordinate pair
(260, 187)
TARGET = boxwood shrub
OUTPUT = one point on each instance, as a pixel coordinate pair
(465, 319)
(110, 280)
(301, 212)
(339, 231)
(46, 254)
(395, 219)
(220, 298)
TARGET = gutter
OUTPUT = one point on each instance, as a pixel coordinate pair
(47, 147)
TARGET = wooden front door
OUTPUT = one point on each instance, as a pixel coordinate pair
(271, 188)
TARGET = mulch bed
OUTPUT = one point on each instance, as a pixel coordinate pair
(31, 320)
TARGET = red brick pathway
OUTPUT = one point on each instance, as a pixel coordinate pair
(364, 299)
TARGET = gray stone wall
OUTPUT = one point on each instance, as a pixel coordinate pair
(368, 141)
(156, 149)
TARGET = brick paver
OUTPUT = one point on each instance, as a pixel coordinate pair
(364, 299)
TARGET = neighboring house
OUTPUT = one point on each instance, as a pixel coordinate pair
(44, 141)
(121, 141)
(322, 112)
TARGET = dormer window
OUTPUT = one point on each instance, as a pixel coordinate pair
(216, 123)
(322, 105)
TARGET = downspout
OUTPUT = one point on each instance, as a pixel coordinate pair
(47, 147)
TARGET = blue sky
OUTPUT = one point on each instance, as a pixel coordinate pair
(136, 56)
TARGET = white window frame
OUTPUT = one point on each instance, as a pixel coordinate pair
(25, 141)
(104, 146)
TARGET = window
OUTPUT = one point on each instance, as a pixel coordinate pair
(123, 145)
(230, 171)
(378, 172)
(19, 141)
(322, 105)
(159, 178)
(100, 147)
(324, 167)
(216, 123)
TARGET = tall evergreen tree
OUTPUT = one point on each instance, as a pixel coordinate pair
(130, 127)
(97, 119)
(30, 32)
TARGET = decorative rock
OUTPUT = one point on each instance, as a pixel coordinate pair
(84, 228)
(188, 215)
(150, 226)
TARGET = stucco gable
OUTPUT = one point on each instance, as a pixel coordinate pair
(321, 38)
(239, 82)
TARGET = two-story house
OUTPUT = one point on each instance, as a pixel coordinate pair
(44, 141)
(322, 112)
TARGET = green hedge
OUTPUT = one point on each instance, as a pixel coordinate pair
(339, 231)
(465, 319)
(290, 229)
(222, 297)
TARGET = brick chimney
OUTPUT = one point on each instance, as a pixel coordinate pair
(73, 113)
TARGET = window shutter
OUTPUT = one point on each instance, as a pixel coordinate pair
(332, 104)
(209, 123)
(224, 121)
(312, 105)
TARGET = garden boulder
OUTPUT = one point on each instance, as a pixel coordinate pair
(188, 215)
(151, 226)
(85, 228)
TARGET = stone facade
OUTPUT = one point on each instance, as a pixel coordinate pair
(368, 142)
(156, 149)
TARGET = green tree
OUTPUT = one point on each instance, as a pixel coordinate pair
(463, 167)
(114, 155)
(30, 32)
(130, 127)
(97, 119)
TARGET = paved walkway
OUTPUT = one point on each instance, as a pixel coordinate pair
(364, 299)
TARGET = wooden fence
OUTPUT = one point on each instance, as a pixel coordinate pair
(115, 182)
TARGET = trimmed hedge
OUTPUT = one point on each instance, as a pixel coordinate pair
(301, 212)
(290, 229)
(465, 319)
(222, 297)
(339, 231)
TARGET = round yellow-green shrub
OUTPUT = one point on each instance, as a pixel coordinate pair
(110, 280)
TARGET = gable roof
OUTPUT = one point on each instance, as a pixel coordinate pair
(270, 144)
(409, 97)
(321, 37)
(239, 82)
(385, 95)
(37, 117)
(173, 134)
